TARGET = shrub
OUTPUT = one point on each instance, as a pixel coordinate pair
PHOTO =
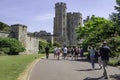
(56, 44)
(114, 44)
(114, 62)
(12, 46)
(42, 44)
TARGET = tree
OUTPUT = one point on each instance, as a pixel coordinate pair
(4, 27)
(57, 44)
(115, 17)
(42, 44)
(95, 30)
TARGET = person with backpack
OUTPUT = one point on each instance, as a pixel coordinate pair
(105, 52)
(92, 56)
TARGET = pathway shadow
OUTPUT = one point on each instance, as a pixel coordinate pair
(85, 70)
(115, 76)
(89, 78)
(89, 69)
(83, 60)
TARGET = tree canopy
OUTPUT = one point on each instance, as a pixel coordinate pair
(115, 17)
(4, 27)
(95, 30)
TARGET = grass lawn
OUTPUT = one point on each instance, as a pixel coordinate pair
(12, 66)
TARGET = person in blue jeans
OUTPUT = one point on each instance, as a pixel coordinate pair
(92, 56)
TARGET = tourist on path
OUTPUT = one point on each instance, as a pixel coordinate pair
(64, 52)
(47, 52)
(81, 53)
(105, 52)
(92, 56)
(55, 52)
(99, 60)
(72, 53)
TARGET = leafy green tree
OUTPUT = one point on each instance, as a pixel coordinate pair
(12, 46)
(115, 17)
(42, 44)
(57, 44)
(95, 30)
(4, 27)
(114, 44)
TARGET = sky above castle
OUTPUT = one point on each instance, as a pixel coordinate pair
(38, 14)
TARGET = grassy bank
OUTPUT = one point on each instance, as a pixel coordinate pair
(12, 66)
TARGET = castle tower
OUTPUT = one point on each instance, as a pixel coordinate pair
(74, 20)
(20, 33)
(60, 23)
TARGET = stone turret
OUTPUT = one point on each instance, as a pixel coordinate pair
(60, 23)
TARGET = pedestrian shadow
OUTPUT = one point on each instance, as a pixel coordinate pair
(115, 76)
(89, 69)
(83, 60)
(85, 70)
(89, 78)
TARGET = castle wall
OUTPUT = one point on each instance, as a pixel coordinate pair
(32, 45)
(4, 34)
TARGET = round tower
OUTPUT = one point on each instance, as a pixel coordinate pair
(60, 20)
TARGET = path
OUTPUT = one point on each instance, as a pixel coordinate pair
(70, 70)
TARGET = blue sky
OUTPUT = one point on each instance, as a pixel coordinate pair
(38, 14)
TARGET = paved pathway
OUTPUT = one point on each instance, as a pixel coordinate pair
(70, 70)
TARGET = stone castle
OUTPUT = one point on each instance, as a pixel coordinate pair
(20, 33)
(65, 24)
(64, 30)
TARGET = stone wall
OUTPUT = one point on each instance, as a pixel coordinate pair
(19, 32)
(4, 34)
(32, 45)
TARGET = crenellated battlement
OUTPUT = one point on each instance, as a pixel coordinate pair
(60, 4)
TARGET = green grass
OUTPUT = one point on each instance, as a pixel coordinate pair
(12, 66)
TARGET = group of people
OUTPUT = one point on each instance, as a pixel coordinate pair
(103, 57)
(73, 52)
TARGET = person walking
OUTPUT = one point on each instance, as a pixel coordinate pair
(99, 60)
(81, 53)
(64, 52)
(55, 52)
(47, 52)
(105, 52)
(92, 56)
